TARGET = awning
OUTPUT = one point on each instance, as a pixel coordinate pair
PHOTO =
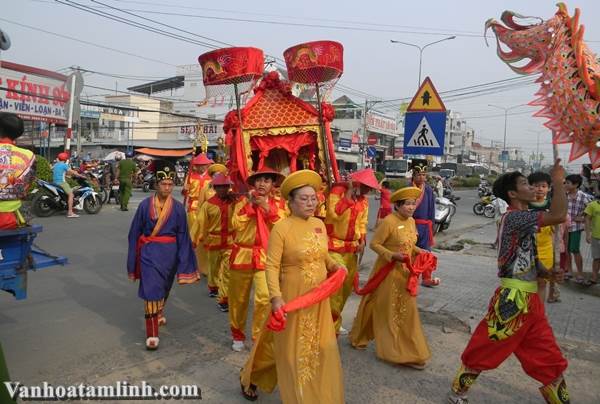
(164, 152)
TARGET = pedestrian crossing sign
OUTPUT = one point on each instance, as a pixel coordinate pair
(424, 133)
(423, 136)
(426, 99)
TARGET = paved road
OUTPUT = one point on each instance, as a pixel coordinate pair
(464, 218)
(84, 323)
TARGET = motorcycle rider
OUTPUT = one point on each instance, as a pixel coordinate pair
(18, 171)
(60, 170)
(125, 170)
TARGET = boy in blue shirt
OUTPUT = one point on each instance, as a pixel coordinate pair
(60, 171)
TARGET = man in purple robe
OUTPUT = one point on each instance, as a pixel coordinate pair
(160, 249)
(424, 214)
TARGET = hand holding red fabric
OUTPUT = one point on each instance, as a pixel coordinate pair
(424, 263)
(277, 319)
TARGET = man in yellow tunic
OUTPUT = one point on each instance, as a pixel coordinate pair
(389, 314)
(252, 220)
(203, 192)
(303, 359)
(193, 190)
(346, 223)
(215, 233)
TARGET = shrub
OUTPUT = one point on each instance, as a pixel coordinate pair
(42, 168)
(397, 184)
(467, 182)
(379, 175)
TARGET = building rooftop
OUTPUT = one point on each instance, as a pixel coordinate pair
(158, 86)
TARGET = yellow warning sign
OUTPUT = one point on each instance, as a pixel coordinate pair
(426, 99)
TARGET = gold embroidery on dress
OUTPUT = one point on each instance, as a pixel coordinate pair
(308, 361)
(312, 258)
(399, 310)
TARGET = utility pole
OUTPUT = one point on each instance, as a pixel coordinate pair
(79, 129)
(364, 135)
(364, 141)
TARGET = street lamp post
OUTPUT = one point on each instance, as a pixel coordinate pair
(421, 49)
(505, 109)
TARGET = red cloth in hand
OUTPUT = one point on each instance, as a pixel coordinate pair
(316, 295)
(423, 264)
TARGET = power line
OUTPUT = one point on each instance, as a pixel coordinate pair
(164, 5)
(132, 23)
(87, 42)
(146, 27)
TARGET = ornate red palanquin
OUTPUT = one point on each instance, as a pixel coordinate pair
(278, 130)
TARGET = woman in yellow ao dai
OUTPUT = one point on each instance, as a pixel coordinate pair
(389, 314)
(303, 359)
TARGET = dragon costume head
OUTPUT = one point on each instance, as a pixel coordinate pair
(569, 91)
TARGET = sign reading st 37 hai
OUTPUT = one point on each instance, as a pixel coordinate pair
(425, 122)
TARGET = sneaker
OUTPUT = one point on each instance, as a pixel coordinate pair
(213, 293)
(223, 307)
(456, 399)
(343, 331)
(238, 346)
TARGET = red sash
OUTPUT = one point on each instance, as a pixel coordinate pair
(429, 224)
(375, 281)
(160, 218)
(423, 262)
(316, 295)
(145, 240)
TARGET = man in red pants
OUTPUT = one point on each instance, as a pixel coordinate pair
(516, 321)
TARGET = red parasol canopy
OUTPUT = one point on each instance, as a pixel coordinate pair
(231, 65)
(315, 62)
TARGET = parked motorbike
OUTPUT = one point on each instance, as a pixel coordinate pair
(96, 178)
(148, 183)
(445, 209)
(50, 198)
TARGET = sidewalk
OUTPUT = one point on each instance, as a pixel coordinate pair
(468, 283)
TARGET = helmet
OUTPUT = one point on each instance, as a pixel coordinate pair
(129, 154)
(64, 156)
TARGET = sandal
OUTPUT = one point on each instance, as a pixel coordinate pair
(580, 281)
(553, 300)
(249, 395)
(567, 276)
(431, 283)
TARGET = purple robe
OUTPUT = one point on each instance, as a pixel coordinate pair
(160, 262)
(425, 211)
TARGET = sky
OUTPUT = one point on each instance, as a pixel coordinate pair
(374, 68)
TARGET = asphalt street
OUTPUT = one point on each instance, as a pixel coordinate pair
(83, 323)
